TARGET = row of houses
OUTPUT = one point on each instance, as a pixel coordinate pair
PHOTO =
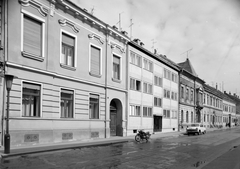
(79, 78)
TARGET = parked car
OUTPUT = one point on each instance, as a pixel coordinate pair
(196, 128)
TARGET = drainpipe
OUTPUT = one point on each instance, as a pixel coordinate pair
(106, 80)
(127, 86)
(4, 42)
(179, 99)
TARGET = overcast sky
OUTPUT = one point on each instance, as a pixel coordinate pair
(211, 28)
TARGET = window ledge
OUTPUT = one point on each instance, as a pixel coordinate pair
(92, 74)
(67, 67)
(32, 56)
(116, 80)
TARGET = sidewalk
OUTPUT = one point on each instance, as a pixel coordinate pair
(17, 151)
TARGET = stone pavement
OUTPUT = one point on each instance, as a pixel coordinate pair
(17, 151)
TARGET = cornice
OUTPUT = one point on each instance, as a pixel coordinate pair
(42, 10)
(65, 22)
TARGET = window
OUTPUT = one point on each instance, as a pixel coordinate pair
(157, 102)
(158, 81)
(182, 91)
(191, 95)
(134, 110)
(68, 50)
(31, 100)
(172, 96)
(66, 103)
(94, 106)
(166, 93)
(147, 111)
(148, 65)
(187, 94)
(135, 84)
(95, 62)
(147, 88)
(136, 59)
(187, 116)
(116, 67)
(166, 113)
(32, 36)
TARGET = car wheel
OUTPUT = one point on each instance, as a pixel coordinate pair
(199, 132)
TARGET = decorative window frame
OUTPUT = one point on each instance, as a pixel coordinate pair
(120, 71)
(96, 37)
(29, 55)
(75, 50)
(41, 99)
(65, 88)
(92, 74)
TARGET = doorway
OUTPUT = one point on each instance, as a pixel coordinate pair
(116, 118)
(157, 123)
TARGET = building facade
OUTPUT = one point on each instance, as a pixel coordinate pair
(235, 118)
(153, 92)
(213, 104)
(72, 81)
(191, 95)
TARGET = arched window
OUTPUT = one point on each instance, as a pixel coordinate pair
(187, 116)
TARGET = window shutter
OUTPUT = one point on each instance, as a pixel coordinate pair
(32, 39)
(95, 60)
(68, 39)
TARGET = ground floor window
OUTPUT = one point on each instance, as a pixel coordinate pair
(147, 111)
(66, 103)
(135, 110)
(94, 106)
(166, 113)
(31, 100)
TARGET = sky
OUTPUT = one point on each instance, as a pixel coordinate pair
(205, 31)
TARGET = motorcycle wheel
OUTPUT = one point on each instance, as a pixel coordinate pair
(137, 138)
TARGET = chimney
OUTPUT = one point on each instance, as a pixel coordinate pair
(114, 27)
(155, 51)
(85, 10)
(225, 92)
(125, 33)
(137, 41)
(216, 86)
(142, 44)
(229, 93)
(234, 94)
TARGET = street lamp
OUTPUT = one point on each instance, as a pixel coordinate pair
(8, 79)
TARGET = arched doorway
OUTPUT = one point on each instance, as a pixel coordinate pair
(116, 118)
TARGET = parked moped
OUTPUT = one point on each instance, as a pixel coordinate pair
(141, 135)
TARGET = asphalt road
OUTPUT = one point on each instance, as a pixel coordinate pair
(174, 152)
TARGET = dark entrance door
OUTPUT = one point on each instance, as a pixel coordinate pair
(157, 123)
(113, 123)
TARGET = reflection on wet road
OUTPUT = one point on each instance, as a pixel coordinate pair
(181, 152)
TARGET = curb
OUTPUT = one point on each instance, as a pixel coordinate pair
(3, 156)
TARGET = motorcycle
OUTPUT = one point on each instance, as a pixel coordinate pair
(141, 135)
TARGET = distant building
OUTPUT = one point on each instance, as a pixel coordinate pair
(153, 92)
(213, 104)
(237, 102)
(191, 95)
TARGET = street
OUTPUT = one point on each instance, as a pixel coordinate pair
(194, 151)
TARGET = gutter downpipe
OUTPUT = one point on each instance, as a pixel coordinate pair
(5, 41)
(127, 86)
(179, 99)
(106, 80)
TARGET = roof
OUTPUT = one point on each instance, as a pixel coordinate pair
(212, 90)
(188, 67)
(160, 58)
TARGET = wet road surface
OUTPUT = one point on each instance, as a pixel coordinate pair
(174, 152)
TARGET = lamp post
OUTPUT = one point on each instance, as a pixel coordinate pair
(8, 79)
